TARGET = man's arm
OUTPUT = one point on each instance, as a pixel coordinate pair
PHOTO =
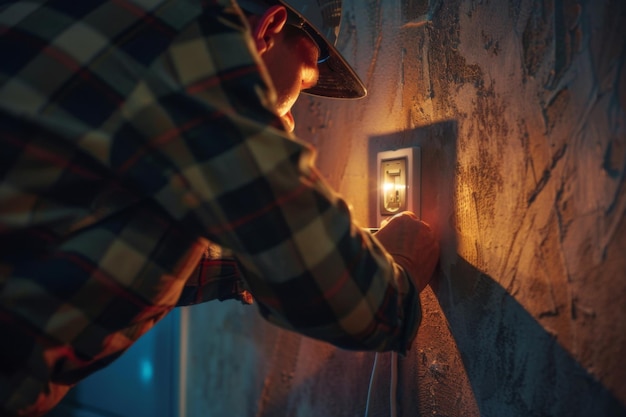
(222, 171)
(139, 143)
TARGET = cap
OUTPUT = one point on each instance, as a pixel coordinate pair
(320, 19)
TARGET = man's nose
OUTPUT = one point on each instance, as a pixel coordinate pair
(310, 77)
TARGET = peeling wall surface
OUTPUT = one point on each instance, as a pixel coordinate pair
(519, 108)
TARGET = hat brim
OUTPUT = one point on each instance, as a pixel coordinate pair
(337, 79)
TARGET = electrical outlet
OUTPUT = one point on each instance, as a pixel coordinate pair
(399, 182)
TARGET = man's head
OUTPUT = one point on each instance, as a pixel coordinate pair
(295, 39)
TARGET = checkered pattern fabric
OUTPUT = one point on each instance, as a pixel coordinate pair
(133, 132)
(218, 276)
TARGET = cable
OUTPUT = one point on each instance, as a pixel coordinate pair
(371, 384)
(393, 385)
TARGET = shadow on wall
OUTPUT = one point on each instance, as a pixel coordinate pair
(513, 366)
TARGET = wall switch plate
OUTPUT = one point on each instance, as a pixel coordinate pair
(398, 182)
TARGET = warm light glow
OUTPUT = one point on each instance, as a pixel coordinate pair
(394, 187)
(399, 182)
(391, 191)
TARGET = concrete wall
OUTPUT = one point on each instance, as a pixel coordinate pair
(519, 109)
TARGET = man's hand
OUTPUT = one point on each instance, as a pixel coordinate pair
(412, 244)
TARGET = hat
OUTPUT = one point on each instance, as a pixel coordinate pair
(321, 22)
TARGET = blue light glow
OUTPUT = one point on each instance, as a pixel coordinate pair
(146, 370)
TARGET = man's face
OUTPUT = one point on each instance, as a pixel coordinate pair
(292, 66)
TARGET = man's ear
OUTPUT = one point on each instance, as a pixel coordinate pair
(268, 26)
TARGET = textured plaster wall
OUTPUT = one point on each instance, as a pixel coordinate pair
(519, 108)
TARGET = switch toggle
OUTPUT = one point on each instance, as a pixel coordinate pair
(398, 182)
(394, 186)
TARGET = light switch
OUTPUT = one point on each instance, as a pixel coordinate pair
(394, 183)
(399, 182)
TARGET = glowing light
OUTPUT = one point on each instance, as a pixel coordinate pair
(146, 370)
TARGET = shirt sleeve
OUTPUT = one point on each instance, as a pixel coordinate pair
(217, 163)
(217, 276)
(151, 133)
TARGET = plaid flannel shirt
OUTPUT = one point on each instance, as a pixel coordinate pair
(132, 134)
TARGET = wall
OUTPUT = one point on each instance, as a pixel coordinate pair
(519, 108)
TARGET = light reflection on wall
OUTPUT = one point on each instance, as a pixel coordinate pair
(146, 370)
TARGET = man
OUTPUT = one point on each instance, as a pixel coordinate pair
(137, 135)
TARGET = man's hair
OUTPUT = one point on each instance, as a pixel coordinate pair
(254, 7)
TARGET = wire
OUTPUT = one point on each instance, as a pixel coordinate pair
(393, 385)
(371, 384)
